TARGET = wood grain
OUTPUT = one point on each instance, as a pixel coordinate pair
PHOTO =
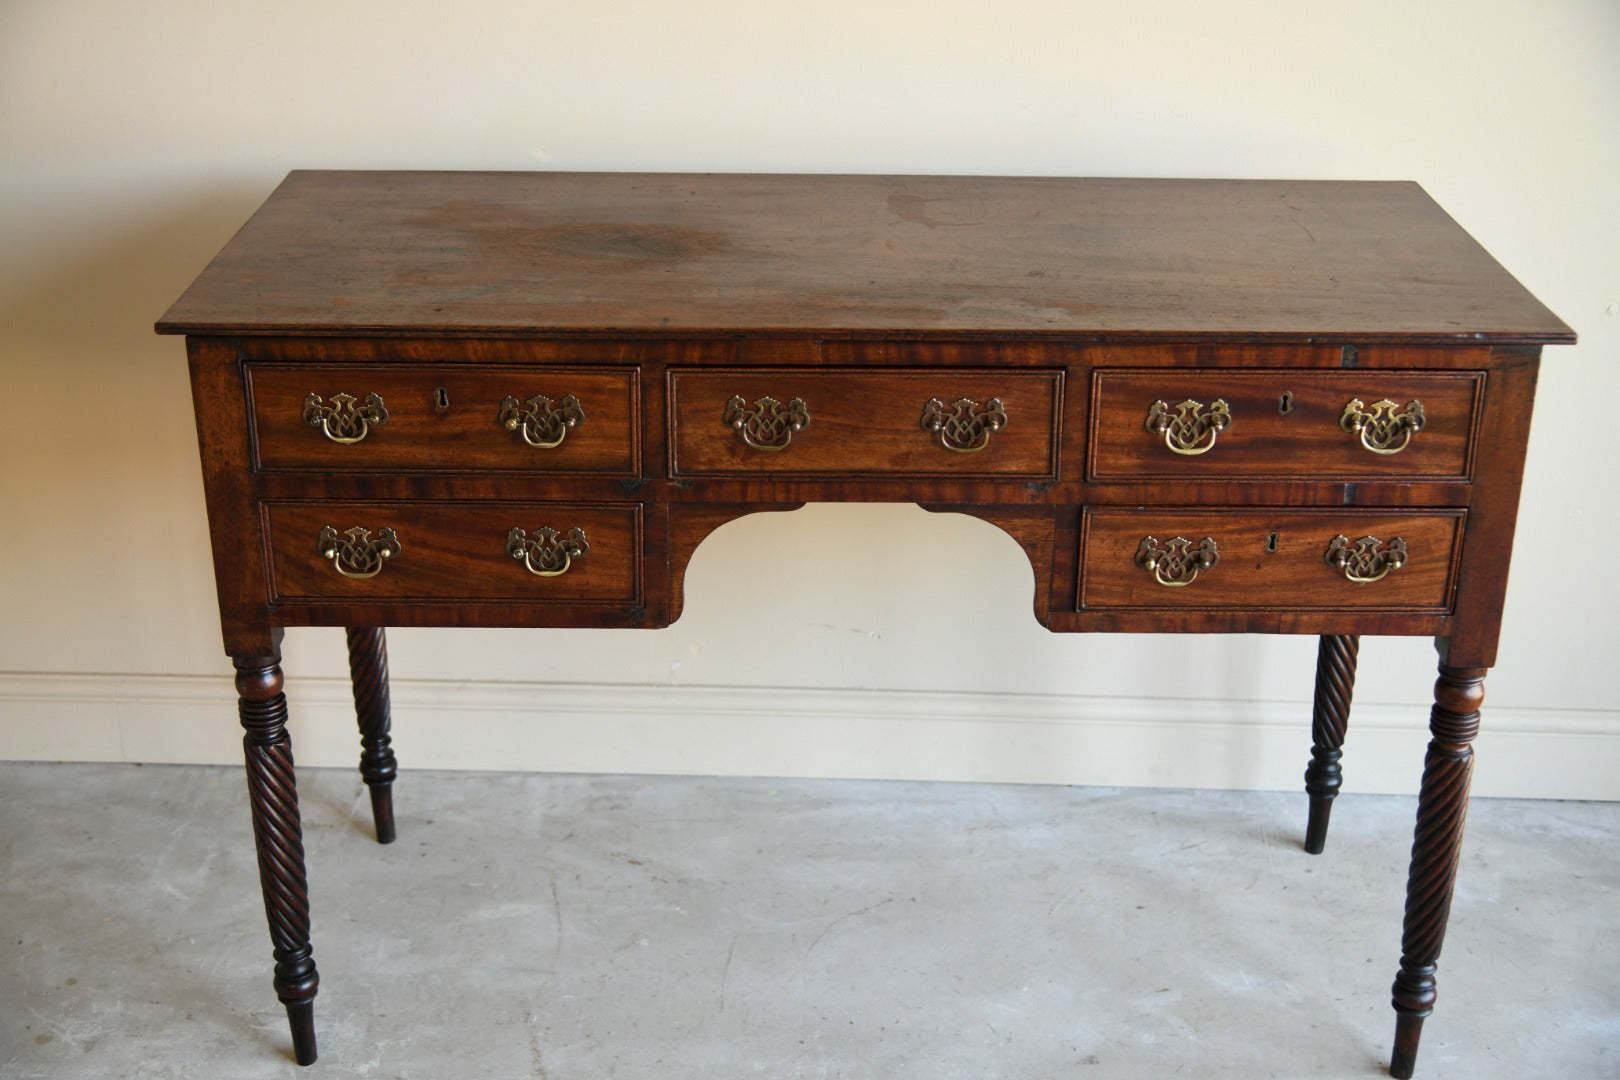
(627, 254)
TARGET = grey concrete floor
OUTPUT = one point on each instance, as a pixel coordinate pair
(571, 927)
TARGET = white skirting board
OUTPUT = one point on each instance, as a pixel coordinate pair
(790, 732)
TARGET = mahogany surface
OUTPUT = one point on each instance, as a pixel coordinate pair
(617, 253)
(523, 399)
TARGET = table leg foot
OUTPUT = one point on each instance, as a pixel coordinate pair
(301, 1018)
(1436, 845)
(279, 839)
(382, 812)
(1330, 716)
(368, 669)
(1413, 987)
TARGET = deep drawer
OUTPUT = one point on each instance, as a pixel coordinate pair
(1269, 559)
(785, 421)
(444, 418)
(454, 551)
(1234, 425)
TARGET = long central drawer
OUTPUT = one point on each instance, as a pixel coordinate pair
(967, 422)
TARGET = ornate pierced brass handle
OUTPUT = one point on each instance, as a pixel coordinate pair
(1369, 560)
(967, 427)
(345, 420)
(547, 553)
(766, 424)
(1383, 430)
(1176, 562)
(355, 554)
(542, 426)
(1192, 428)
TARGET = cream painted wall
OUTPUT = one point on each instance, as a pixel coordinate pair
(135, 137)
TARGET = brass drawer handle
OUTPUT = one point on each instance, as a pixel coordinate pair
(764, 425)
(547, 553)
(1176, 563)
(1369, 561)
(1193, 428)
(345, 421)
(967, 428)
(1383, 430)
(354, 553)
(542, 426)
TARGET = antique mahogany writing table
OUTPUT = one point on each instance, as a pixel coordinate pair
(442, 399)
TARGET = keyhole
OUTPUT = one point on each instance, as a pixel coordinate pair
(1271, 543)
(1285, 404)
(441, 398)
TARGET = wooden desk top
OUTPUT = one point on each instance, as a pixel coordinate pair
(545, 254)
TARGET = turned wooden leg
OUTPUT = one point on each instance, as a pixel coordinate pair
(368, 668)
(273, 795)
(1335, 684)
(1436, 843)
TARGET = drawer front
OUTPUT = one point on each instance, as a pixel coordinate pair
(444, 418)
(455, 551)
(1263, 559)
(784, 421)
(1233, 425)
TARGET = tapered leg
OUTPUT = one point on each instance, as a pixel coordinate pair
(368, 668)
(278, 835)
(1436, 843)
(1335, 684)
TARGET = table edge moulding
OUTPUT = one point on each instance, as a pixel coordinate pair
(523, 399)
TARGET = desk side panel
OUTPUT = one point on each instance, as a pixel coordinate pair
(1510, 391)
(219, 395)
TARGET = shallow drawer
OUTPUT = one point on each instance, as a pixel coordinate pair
(457, 551)
(441, 418)
(1261, 559)
(1326, 425)
(784, 421)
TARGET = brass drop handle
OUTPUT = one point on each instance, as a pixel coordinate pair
(967, 427)
(354, 553)
(1175, 563)
(1369, 560)
(346, 419)
(547, 553)
(1192, 428)
(542, 426)
(766, 424)
(1383, 430)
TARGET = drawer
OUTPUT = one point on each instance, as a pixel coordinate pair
(967, 422)
(455, 551)
(1265, 559)
(444, 418)
(1231, 425)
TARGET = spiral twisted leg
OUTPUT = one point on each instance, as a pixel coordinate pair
(1330, 715)
(278, 836)
(368, 668)
(1436, 844)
